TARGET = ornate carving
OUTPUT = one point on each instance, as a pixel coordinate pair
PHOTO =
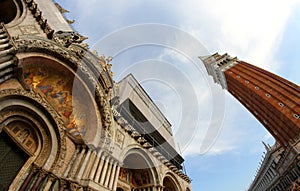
(86, 64)
(60, 8)
(52, 177)
(76, 187)
(105, 62)
(63, 184)
(70, 21)
(119, 138)
(28, 29)
(23, 134)
(106, 112)
(101, 64)
(46, 151)
(106, 142)
(43, 173)
(67, 38)
(59, 123)
(79, 59)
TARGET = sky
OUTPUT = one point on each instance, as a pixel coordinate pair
(160, 41)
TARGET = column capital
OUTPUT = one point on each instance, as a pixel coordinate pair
(43, 173)
(63, 183)
(52, 177)
(75, 186)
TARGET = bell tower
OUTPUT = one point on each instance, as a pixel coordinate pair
(274, 101)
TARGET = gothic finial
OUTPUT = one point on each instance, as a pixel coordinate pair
(109, 59)
(266, 146)
(62, 10)
(67, 37)
(70, 21)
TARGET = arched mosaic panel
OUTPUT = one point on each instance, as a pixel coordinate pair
(65, 93)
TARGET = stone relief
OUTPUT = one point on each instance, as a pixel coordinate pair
(67, 38)
(120, 138)
(29, 29)
(24, 135)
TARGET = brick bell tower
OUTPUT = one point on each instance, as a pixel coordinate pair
(274, 101)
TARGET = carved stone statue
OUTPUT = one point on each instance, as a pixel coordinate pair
(66, 38)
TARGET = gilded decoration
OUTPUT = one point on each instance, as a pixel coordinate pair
(76, 54)
(68, 98)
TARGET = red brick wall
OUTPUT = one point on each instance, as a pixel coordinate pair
(274, 101)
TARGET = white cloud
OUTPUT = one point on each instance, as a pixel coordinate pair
(250, 30)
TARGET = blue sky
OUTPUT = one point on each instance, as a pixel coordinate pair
(264, 33)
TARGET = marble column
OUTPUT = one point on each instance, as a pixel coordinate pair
(104, 171)
(76, 164)
(94, 167)
(28, 179)
(50, 180)
(72, 161)
(89, 165)
(112, 178)
(38, 182)
(107, 177)
(100, 168)
(83, 164)
(116, 177)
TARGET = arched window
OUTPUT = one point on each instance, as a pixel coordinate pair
(11, 10)
(12, 159)
(169, 184)
(8, 11)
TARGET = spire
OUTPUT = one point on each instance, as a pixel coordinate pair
(267, 147)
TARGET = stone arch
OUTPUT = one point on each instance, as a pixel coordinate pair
(56, 82)
(170, 183)
(138, 171)
(36, 130)
(87, 67)
(11, 11)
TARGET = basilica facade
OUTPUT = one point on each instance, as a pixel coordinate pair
(64, 123)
